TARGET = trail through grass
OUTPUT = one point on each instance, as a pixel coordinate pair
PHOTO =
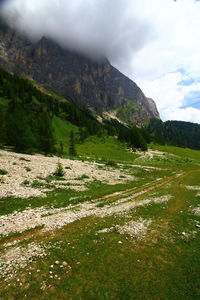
(140, 240)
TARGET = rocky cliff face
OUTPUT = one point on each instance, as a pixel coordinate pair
(97, 86)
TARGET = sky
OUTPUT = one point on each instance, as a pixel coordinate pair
(154, 42)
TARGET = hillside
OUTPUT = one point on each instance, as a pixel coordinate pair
(96, 86)
(178, 133)
(36, 120)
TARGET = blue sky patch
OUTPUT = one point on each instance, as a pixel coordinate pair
(192, 99)
(188, 82)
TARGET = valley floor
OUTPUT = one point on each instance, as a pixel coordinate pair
(135, 239)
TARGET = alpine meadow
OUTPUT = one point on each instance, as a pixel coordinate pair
(99, 184)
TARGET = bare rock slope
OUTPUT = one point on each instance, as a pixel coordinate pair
(98, 86)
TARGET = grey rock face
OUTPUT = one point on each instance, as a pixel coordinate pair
(97, 86)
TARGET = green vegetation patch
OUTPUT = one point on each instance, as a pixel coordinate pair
(108, 149)
(127, 110)
(3, 172)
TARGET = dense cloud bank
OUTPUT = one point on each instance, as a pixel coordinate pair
(156, 43)
(94, 27)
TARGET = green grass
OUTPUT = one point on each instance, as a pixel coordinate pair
(4, 102)
(163, 265)
(181, 152)
(61, 130)
(104, 148)
(108, 149)
(127, 110)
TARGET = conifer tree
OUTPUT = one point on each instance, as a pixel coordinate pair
(72, 150)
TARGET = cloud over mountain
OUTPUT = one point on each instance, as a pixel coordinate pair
(95, 27)
(150, 41)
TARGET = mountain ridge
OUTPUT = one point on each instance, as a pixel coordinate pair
(98, 86)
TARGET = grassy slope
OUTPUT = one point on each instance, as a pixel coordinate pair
(164, 265)
(62, 131)
(181, 152)
(107, 148)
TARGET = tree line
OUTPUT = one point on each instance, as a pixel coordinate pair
(177, 133)
(26, 115)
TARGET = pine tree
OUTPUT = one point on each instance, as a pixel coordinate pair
(72, 150)
(19, 133)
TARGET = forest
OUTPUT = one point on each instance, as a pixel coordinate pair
(26, 115)
(176, 133)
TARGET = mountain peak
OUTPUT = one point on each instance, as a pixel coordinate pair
(96, 85)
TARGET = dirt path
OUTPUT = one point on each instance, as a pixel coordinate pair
(51, 219)
(31, 224)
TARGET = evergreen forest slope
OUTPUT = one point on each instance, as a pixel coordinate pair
(177, 133)
(35, 120)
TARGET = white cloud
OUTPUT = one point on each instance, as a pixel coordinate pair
(188, 114)
(170, 96)
(150, 41)
(155, 67)
(95, 27)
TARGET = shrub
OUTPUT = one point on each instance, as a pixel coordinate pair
(27, 169)
(24, 159)
(3, 172)
(26, 182)
(84, 176)
(111, 164)
(59, 170)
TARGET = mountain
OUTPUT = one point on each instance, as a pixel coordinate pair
(97, 86)
(33, 119)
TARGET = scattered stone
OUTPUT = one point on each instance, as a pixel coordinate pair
(120, 242)
(42, 166)
(57, 262)
(19, 257)
(65, 263)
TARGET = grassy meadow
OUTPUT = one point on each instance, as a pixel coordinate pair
(136, 240)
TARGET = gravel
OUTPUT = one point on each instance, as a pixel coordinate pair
(52, 219)
(19, 257)
(39, 166)
(193, 188)
(136, 229)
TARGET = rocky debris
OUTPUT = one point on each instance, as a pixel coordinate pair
(193, 188)
(20, 183)
(196, 211)
(106, 230)
(188, 235)
(55, 218)
(150, 154)
(136, 229)
(19, 257)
